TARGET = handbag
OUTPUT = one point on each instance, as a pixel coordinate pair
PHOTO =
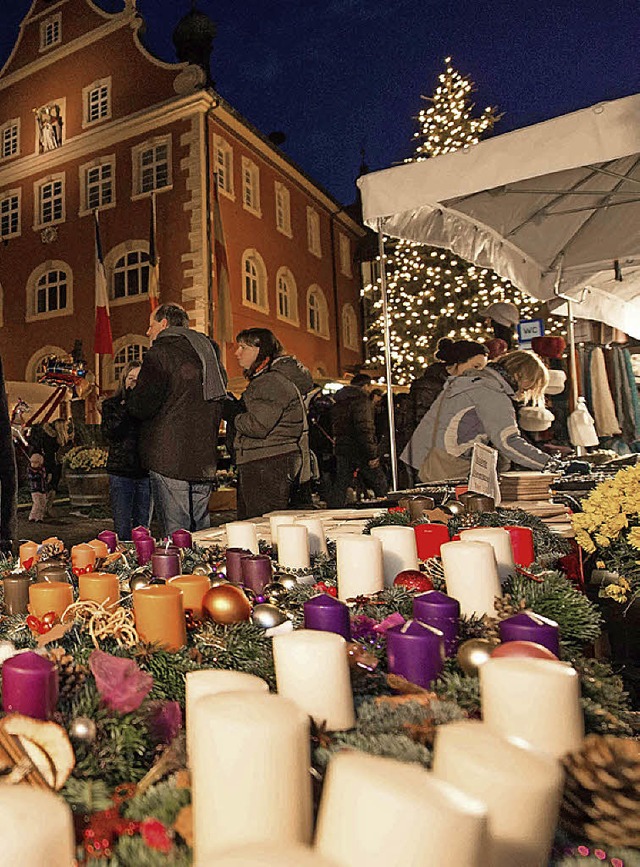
(438, 465)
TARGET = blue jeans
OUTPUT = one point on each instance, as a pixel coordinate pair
(130, 504)
(180, 505)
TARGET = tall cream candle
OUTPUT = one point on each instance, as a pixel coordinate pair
(378, 812)
(500, 540)
(276, 521)
(312, 669)
(212, 681)
(399, 550)
(36, 828)
(242, 534)
(317, 534)
(293, 546)
(250, 773)
(533, 700)
(259, 855)
(471, 576)
(520, 787)
(359, 566)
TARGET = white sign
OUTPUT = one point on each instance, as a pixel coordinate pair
(527, 330)
(483, 478)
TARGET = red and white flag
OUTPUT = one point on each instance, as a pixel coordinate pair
(154, 261)
(103, 341)
(222, 312)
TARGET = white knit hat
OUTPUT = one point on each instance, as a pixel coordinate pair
(502, 312)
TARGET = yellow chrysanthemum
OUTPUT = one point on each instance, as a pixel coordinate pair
(633, 537)
(602, 541)
(585, 541)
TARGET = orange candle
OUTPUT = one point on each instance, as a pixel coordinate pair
(159, 616)
(50, 596)
(28, 552)
(83, 556)
(193, 588)
(99, 547)
(101, 587)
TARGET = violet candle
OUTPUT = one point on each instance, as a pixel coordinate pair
(233, 557)
(145, 547)
(16, 594)
(165, 564)
(255, 571)
(29, 685)
(327, 614)
(182, 539)
(139, 533)
(429, 538)
(415, 651)
(528, 626)
(109, 538)
(437, 609)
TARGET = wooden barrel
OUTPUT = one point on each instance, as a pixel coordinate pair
(88, 489)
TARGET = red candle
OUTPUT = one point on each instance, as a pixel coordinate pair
(29, 685)
(139, 533)
(145, 547)
(429, 538)
(522, 545)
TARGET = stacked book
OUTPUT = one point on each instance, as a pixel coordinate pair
(526, 485)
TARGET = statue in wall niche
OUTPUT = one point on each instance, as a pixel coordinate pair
(49, 121)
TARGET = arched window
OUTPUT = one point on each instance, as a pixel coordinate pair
(349, 328)
(254, 277)
(49, 291)
(38, 361)
(317, 312)
(287, 296)
(131, 347)
(127, 267)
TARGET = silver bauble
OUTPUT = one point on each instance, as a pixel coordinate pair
(267, 616)
(287, 581)
(200, 569)
(472, 654)
(455, 507)
(139, 578)
(82, 729)
(275, 592)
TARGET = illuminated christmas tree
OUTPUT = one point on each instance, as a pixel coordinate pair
(432, 292)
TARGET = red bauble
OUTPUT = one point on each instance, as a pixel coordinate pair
(529, 649)
(411, 579)
(226, 603)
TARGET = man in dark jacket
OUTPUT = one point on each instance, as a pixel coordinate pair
(178, 398)
(356, 448)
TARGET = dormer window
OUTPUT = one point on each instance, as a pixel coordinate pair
(51, 32)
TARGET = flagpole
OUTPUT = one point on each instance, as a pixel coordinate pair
(97, 355)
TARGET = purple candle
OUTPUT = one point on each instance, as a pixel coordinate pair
(529, 626)
(182, 539)
(16, 594)
(327, 614)
(109, 538)
(415, 651)
(165, 564)
(256, 571)
(233, 557)
(144, 549)
(29, 685)
(139, 533)
(442, 611)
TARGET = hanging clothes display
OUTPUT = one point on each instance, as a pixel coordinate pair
(633, 387)
(604, 411)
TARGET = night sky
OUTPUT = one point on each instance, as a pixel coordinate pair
(337, 76)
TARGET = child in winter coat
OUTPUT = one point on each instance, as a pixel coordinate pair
(38, 485)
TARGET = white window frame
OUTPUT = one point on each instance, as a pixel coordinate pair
(350, 338)
(7, 196)
(223, 166)
(320, 307)
(136, 158)
(283, 209)
(345, 256)
(313, 232)
(38, 221)
(111, 265)
(251, 187)
(284, 277)
(51, 26)
(99, 163)
(87, 93)
(252, 258)
(31, 370)
(13, 124)
(33, 280)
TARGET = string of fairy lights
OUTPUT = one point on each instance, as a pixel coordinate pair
(432, 292)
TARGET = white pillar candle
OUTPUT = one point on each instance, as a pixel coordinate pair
(275, 521)
(378, 812)
(250, 773)
(242, 534)
(533, 700)
(212, 682)
(293, 546)
(36, 828)
(399, 550)
(520, 787)
(317, 534)
(259, 855)
(500, 540)
(312, 669)
(471, 576)
(359, 566)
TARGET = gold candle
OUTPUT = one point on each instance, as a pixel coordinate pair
(83, 556)
(28, 551)
(101, 587)
(99, 547)
(16, 594)
(51, 570)
(193, 588)
(159, 616)
(50, 596)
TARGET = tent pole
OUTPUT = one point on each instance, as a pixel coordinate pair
(387, 358)
(573, 368)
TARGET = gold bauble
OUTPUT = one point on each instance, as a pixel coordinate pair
(201, 569)
(472, 654)
(226, 604)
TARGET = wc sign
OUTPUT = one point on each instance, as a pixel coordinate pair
(527, 330)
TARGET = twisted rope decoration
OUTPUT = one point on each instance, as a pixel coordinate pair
(102, 624)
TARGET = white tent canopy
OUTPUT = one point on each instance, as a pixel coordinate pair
(561, 197)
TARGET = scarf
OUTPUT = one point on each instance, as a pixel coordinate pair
(214, 377)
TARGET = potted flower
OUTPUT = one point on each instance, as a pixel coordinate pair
(86, 475)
